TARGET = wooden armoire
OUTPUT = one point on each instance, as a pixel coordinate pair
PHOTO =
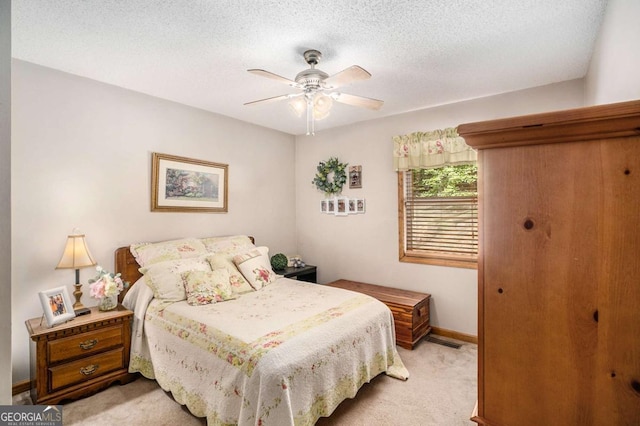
(559, 267)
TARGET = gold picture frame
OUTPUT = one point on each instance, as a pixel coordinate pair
(180, 184)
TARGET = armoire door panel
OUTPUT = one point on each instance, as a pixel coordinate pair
(539, 282)
(618, 369)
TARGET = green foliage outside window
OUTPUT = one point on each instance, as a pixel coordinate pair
(448, 181)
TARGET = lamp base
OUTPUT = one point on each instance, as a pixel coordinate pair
(78, 307)
(82, 311)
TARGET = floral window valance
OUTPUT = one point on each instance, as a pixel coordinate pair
(425, 150)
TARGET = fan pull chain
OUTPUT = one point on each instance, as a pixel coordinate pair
(310, 119)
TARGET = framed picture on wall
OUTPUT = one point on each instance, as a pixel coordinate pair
(360, 205)
(331, 205)
(352, 205)
(180, 184)
(355, 177)
(342, 206)
(56, 305)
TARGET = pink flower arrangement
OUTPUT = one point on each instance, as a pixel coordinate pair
(106, 284)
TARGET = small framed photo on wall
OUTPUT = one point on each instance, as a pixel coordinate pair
(352, 206)
(331, 205)
(360, 205)
(324, 205)
(355, 177)
(342, 206)
(57, 306)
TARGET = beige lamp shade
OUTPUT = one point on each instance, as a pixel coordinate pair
(76, 254)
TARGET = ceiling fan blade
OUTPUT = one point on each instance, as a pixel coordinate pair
(358, 101)
(351, 74)
(273, 76)
(274, 99)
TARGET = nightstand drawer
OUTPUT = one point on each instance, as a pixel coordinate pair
(85, 369)
(84, 344)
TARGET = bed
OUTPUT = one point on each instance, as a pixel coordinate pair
(285, 354)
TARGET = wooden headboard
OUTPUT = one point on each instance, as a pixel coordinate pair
(128, 267)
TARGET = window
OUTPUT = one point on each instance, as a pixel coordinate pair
(438, 215)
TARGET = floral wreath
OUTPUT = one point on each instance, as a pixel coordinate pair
(321, 180)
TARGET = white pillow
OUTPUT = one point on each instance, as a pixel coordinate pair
(137, 298)
(149, 253)
(165, 278)
(130, 298)
(255, 267)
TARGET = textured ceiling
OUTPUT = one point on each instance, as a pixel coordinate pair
(420, 53)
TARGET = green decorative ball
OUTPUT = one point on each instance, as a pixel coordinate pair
(279, 261)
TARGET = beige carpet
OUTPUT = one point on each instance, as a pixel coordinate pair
(440, 391)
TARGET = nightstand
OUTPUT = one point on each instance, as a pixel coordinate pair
(80, 357)
(306, 273)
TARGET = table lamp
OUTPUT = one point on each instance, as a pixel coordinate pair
(76, 255)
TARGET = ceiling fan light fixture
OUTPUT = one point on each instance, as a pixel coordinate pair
(322, 106)
(298, 106)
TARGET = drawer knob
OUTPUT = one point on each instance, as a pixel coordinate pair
(88, 344)
(89, 369)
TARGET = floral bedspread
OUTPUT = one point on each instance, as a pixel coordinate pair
(285, 355)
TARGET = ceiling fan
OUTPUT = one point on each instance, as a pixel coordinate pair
(317, 87)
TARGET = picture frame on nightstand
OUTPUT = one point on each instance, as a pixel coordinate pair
(57, 306)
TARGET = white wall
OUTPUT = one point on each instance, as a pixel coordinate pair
(82, 158)
(5, 201)
(365, 247)
(614, 71)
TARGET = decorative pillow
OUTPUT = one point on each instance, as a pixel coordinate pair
(165, 278)
(229, 246)
(149, 253)
(205, 287)
(238, 284)
(255, 267)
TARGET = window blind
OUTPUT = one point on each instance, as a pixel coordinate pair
(445, 225)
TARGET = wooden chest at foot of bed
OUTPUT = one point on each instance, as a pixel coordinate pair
(410, 309)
